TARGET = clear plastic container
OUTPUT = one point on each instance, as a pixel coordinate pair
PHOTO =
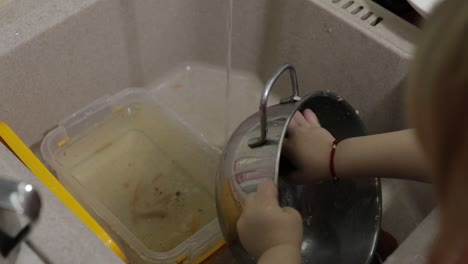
(143, 174)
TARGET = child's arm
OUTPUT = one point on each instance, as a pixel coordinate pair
(268, 232)
(390, 155)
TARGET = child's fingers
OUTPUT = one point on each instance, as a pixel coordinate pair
(250, 200)
(296, 121)
(299, 119)
(311, 117)
(294, 214)
(292, 127)
(292, 211)
(292, 124)
(267, 194)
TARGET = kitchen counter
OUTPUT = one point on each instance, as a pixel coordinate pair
(59, 235)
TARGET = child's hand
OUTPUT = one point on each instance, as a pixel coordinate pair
(308, 147)
(265, 229)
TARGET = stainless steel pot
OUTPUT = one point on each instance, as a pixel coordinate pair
(341, 219)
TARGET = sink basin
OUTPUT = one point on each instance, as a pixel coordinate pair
(67, 54)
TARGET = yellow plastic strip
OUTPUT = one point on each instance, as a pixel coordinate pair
(49, 180)
(210, 253)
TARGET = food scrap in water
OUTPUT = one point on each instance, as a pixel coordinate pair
(133, 202)
(99, 150)
(117, 108)
(126, 184)
(62, 142)
(135, 194)
(153, 213)
(165, 199)
(177, 86)
(156, 177)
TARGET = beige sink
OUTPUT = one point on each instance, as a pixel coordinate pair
(58, 55)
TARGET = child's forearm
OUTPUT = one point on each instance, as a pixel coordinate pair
(390, 155)
(282, 254)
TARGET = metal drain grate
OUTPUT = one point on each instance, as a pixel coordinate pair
(358, 10)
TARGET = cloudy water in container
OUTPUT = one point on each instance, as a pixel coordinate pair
(149, 171)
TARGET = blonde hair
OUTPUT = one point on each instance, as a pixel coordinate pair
(438, 108)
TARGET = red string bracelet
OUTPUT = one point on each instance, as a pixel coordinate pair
(332, 160)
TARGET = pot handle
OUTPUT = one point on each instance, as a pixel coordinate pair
(257, 142)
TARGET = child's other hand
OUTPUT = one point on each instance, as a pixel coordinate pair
(265, 226)
(308, 145)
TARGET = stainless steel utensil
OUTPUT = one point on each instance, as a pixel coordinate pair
(341, 219)
(19, 211)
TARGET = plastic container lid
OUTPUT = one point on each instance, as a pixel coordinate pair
(145, 176)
